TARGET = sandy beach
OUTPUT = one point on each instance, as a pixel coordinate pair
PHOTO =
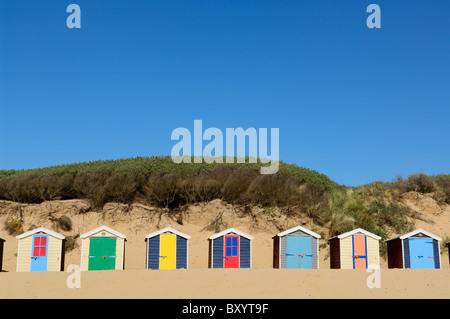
(240, 284)
(262, 281)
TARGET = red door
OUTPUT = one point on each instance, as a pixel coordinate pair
(231, 251)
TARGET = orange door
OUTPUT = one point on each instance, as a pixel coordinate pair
(359, 252)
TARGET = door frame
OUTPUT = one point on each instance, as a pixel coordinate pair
(238, 256)
(365, 250)
(160, 242)
(411, 256)
(46, 250)
(309, 238)
(115, 256)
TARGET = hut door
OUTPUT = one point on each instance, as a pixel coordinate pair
(298, 252)
(305, 252)
(231, 252)
(39, 253)
(359, 252)
(421, 252)
(292, 252)
(168, 251)
(102, 253)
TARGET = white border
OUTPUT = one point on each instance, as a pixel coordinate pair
(291, 230)
(415, 232)
(231, 230)
(81, 261)
(94, 231)
(168, 229)
(40, 229)
(358, 230)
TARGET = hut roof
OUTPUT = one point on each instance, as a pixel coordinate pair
(170, 229)
(40, 229)
(415, 232)
(106, 228)
(355, 231)
(291, 230)
(231, 230)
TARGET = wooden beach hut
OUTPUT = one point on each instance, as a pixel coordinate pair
(167, 249)
(230, 248)
(102, 249)
(296, 248)
(417, 249)
(40, 249)
(356, 249)
(2, 243)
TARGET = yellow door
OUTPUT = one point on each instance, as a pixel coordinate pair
(167, 254)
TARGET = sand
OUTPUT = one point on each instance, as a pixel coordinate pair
(230, 283)
(198, 281)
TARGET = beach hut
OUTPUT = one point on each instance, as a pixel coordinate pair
(296, 248)
(356, 249)
(102, 249)
(40, 249)
(167, 249)
(2, 242)
(417, 249)
(230, 248)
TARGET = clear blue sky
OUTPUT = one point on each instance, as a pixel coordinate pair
(356, 104)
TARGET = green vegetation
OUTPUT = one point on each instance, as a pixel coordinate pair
(140, 167)
(64, 223)
(158, 181)
(71, 243)
(14, 227)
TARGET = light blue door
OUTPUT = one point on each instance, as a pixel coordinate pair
(305, 252)
(39, 253)
(298, 252)
(421, 253)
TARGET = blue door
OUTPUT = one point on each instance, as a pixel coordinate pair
(298, 252)
(421, 253)
(39, 253)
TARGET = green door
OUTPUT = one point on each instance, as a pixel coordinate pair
(102, 253)
(95, 253)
